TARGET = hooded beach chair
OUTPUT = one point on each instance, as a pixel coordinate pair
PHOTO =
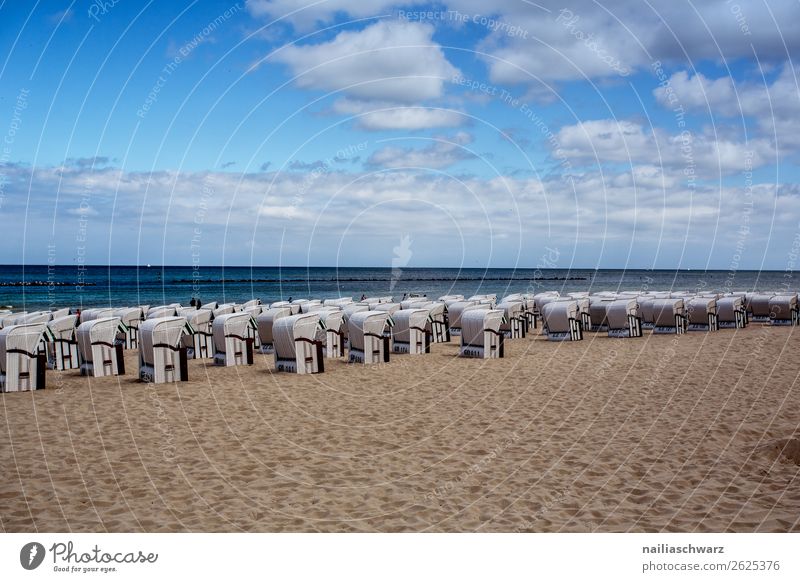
(224, 309)
(340, 302)
(451, 298)
(515, 324)
(162, 354)
(481, 336)
(598, 309)
(62, 352)
(486, 299)
(669, 316)
(623, 317)
(100, 355)
(265, 322)
(542, 299)
(297, 348)
(368, 339)
(57, 313)
(731, 312)
(410, 333)
(561, 320)
(161, 312)
(250, 304)
(23, 360)
(439, 321)
(233, 345)
(390, 308)
(131, 318)
(331, 333)
(454, 313)
(783, 309)
(33, 317)
(293, 307)
(95, 313)
(200, 342)
(758, 306)
(701, 314)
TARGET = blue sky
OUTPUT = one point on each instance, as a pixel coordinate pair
(276, 132)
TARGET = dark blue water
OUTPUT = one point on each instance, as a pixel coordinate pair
(92, 286)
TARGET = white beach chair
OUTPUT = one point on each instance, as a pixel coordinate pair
(451, 298)
(331, 334)
(669, 316)
(62, 352)
(200, 342)
(516, 324)
(265, 323)
(95, 313)
(369, 343)
(162, 354)
(758, 306)
(131, 318)
(233, 345)
(390, 308)
(296, 346)
(542, 299)
(623, 317)
(701, 314)
(33, 317)
(480, 334)
(454, 313)
(250, 304)
(58, 313)
(485, 298)
(340, 302)
(598, 309)
(22, 357)
(161, 312)
(439, 321)
(411, 334)
(783, 309)
(731, 312)
(100, 355)
(562, 320)
(224, 309)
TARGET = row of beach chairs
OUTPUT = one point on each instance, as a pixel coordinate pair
(302, 334)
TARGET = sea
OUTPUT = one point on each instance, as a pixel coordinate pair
(35, 287)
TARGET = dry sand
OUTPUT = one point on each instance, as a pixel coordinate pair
(692, 433)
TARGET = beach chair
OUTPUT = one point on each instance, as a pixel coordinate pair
(200, 342)
(265, 323)
(561, 320)
(731, 312)
(584, 311)
(100, 355)
(669, 316)
(439, 321)
(701, 314)
(410, 333)
(250, 304)
(758, 306)
(95, 313)
(224, 309)
(446, 299)
(623, 317)
(331, 333)
(162, 354)
(369, 343)
(454, 313)
(515, 324)
(340, 302)
(23, 360)
(598, 309)
(486, 299)
(131, 318)
(783, 309)
(377, 300)
(307, 305)
(233, 346)
(33, 317)
(542, 299)
(161, 312)
(481, 336)
(59, 313)
(62, 348)
(297, 348)
(390, 308)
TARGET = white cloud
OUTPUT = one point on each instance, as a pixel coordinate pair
(441, 153)
(393, 61)
(775, 107)
(608, 140)
(377, 116)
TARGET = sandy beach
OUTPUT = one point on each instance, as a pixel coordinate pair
(663, 433)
